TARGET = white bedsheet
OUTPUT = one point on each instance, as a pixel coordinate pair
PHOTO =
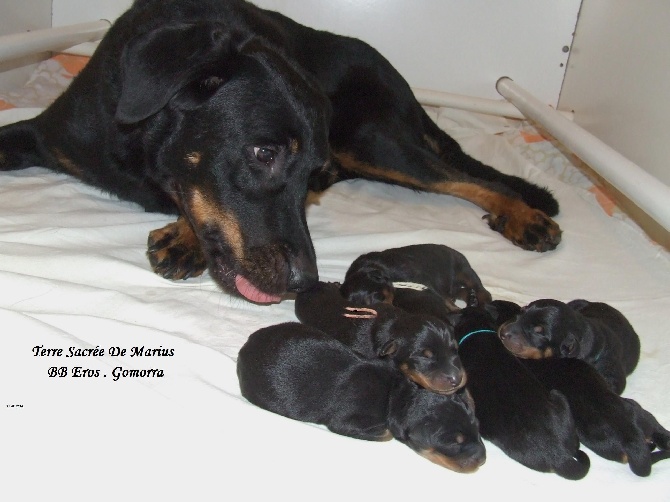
(73, 273)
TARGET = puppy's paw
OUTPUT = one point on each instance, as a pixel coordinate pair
(174, 251)
(527, 228)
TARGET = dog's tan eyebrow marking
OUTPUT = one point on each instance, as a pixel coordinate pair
(204, 212)
(294, 146)
(194, 158)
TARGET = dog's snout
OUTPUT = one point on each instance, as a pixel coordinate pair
(302, 280)
(303, 275)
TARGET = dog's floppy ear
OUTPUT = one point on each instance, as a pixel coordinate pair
(569, 346)
(157, 64)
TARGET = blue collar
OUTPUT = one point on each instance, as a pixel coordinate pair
(474, 333)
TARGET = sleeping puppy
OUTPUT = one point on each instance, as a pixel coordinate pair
(615, 428)
(656, 436)
(531, 424)
(302, 373)
(594, 332)
(422, 347)
(373, 277)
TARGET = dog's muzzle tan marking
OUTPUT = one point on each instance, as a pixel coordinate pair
(204, 212)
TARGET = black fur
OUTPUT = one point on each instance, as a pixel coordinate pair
(615, 428)
(224, 114)
(300, 372)
(591, 331)
(530, 424)
(421, 346)
(439, 268)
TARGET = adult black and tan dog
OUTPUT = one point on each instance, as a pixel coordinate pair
(594, 332)
(225, 114)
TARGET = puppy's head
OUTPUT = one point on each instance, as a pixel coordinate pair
(234, 130)
(425, 350)
(444, 430)
(544, 328)
(368, 286)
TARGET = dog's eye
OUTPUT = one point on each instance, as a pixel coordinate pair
(265, 155)
(538, 329)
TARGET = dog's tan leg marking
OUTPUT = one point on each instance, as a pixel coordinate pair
(387, 436)
(67, 164)
(524, 226)
(194, 158)
(432, 144)
(205, 212)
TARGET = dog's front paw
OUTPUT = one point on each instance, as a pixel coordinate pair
(174, 251)
(529, 229)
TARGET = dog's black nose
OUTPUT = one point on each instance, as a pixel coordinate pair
(302, 280)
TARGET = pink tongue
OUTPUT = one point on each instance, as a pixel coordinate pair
(252, 293)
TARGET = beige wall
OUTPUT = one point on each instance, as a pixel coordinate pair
(17, 16)
(450, 45)
(618, 79)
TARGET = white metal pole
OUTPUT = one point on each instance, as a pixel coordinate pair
(470, 103)
(645, 190)
(18, 45)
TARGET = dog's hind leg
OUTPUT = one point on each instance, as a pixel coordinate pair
(21, 147)
(455, 173)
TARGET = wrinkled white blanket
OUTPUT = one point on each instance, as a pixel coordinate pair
(73, 273)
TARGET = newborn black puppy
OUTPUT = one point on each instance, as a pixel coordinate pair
(615, 428)
(657, 436)
(373, 277)
(591, 331)
(299, 372)
(421, 346)
(530, 424)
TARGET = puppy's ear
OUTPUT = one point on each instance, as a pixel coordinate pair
(389, 348)
(157, 64)
(569, 346)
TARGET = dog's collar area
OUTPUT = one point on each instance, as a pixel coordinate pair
(360, 313)
(410, 285)
(474, 333)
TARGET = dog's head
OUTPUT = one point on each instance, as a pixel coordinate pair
(443, 429)
(235, 130)
(544, 328)
(367, 286)
(425, 350)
